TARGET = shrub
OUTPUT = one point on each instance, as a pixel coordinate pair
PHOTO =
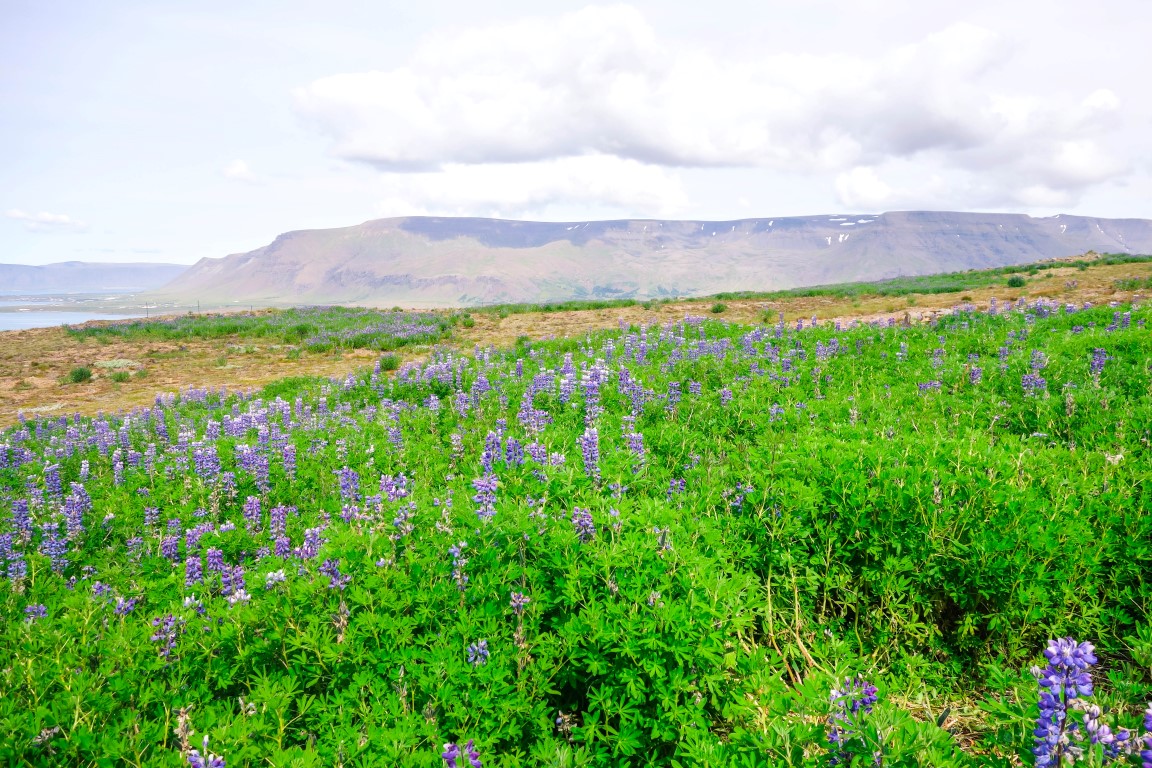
(120, 376)
(389, 363)
(79, 375)
(719, 307)
(1016, 281)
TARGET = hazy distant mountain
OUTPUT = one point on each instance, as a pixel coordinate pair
(84, 277)
(464, 261)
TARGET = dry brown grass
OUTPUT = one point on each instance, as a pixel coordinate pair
(33, 363)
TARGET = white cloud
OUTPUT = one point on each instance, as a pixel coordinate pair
(528, 190)
(238, 170)
(600, 82)
(46, 222)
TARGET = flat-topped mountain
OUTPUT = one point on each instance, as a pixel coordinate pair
(434, 261)
(86, 276)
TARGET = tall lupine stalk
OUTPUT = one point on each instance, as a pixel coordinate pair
(583, 524)
(53, 546)
(349, 484)
(851, 702)
(590, 451)
(485, 497)
(1096, 366)
(1065, 679)
(458, 563)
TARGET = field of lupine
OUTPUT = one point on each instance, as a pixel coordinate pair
(689, 544)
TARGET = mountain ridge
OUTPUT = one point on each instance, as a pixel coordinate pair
(463, 261)
(88, 276)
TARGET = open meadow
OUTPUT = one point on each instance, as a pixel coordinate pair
(824, 529)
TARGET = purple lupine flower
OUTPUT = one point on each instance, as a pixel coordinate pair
(34, 612)
(775, 413)
(1146, 753)
(125, 607)
(273, 578)
(21, 519)
(231, 579)
(349, 484)
(1066, 678)
(168, 630)
(206, 461)
(478, 653)
(17, 567)
(215, 559)
(975, 375)
(450, 754)
(73, 509)
(518, 602)
(1033, 384)
(170, 548)
(312, 542)
(206, 760)
(458, 563)
(52, 480)
(193, 571)
(590, 451)
(282, 547)
(252, 515)
(288, 459)
(485, 497)
(851, 702)
(1099, 358)
(331, 569)
(53, 546)
(725, 396)
(278, 520)
(583, 523)
(537, 452)
(402, 522)
(513, 452)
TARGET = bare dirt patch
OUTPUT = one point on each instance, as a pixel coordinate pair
(35, 363)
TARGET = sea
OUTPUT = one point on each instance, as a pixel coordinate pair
(20, 310)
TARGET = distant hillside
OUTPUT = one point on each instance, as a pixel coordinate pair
(84, 276)
(465, 261)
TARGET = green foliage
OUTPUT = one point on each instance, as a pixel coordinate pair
(719, 308)
(1016, 281)
(952, 282)
(504, 310)
(120, 376)
(811, 506)
(318, 329)
(1133, 284)
(80, 374)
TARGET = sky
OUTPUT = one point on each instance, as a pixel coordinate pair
(171, 131)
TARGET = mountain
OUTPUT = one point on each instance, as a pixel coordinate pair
(430, 261)
(86, 277)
